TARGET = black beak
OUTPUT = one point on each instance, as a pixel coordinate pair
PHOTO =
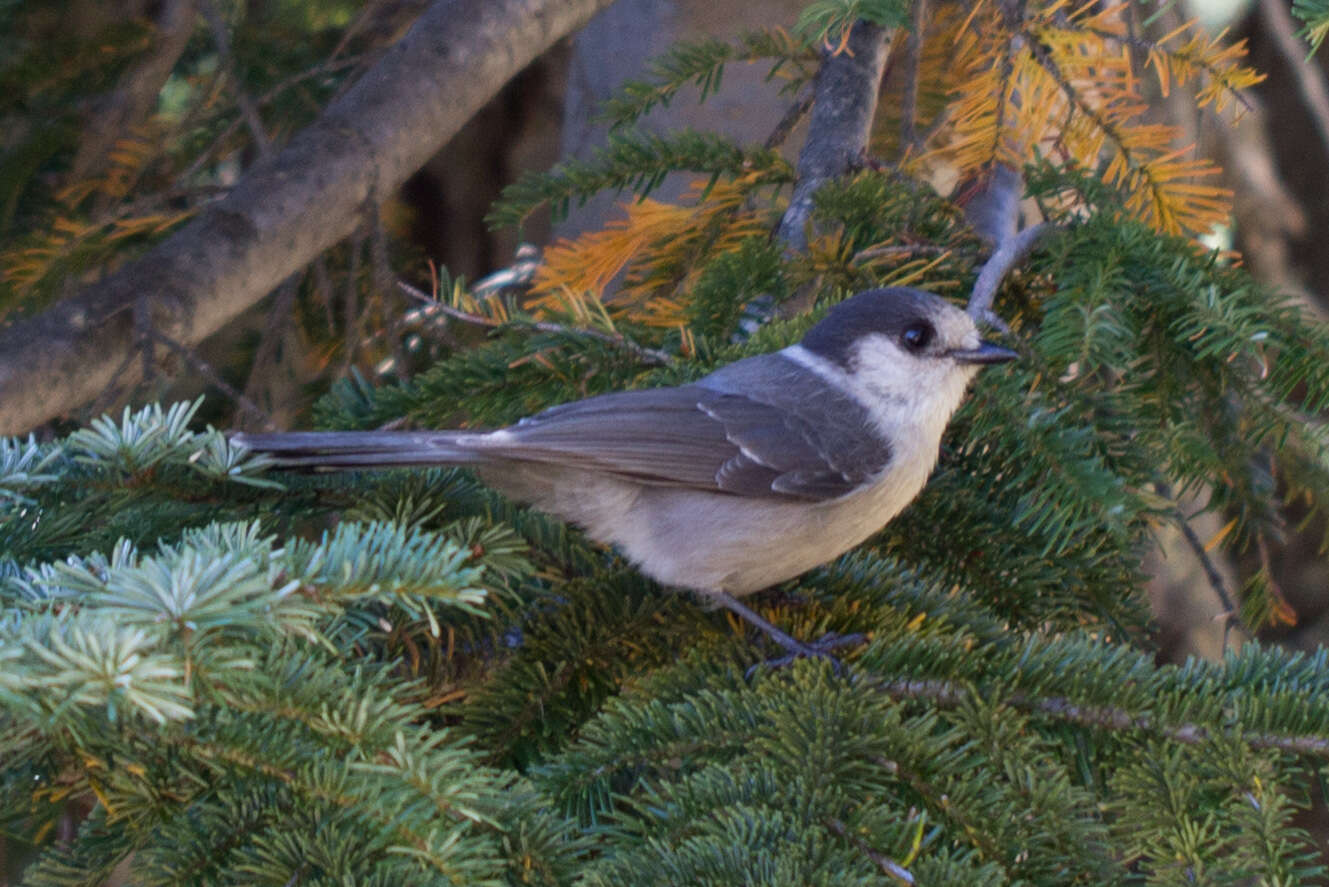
(986, 352)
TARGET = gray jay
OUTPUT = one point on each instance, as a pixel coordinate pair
(745, 478)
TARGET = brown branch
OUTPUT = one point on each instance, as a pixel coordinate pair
(351, 307)
(646, 355)
(279, 320)
(287, 209)
(792, 117)
(1211, 573)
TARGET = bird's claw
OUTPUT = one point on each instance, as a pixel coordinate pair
(818, 649)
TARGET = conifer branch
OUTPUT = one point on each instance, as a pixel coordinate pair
(1107, 717)
(882, 861)
(641, 352)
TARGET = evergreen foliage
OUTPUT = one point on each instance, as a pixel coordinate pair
(1315, 16)
(227, 674)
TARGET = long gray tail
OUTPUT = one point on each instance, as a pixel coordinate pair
(364, 449)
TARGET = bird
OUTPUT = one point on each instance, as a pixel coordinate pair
(745, 478)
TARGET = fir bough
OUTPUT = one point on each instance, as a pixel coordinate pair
(224, 674)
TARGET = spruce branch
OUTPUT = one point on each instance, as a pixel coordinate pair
(950, 694)
(646, 355)
(638, 161)
(702, 63)
(881, 860)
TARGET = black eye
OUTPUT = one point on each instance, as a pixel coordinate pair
(917, 336)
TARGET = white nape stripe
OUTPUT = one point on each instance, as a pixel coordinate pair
(884, 410)
(821, 366)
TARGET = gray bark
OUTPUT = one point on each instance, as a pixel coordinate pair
(286, 210)
(620, 43)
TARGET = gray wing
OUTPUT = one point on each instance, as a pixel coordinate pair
(694, 437)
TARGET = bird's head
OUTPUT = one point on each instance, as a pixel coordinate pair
(908, 348)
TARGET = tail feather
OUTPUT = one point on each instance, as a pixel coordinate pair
(363, 449)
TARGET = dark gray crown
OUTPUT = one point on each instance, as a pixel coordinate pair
(885, 311)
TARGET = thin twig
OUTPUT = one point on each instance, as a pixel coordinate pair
(107, 395)
(884, 862)
(279, 318)
(902, 249)
(267, 98)
(221, 37)
(792, 117)
(203, 369)
(913, 55)
(351, 333)
(1210, 570)
(646, 355)
(323, 287)
(1003, 259)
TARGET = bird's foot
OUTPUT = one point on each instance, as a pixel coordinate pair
(795, 649)
(819, 649)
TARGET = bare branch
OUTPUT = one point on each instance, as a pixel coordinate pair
(792, 117)
(1006, 257)
(279, 321)
(845, 102)
(1211, 573)
(288, 208)
(204, 369)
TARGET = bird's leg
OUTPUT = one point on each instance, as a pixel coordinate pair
(819, 649)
